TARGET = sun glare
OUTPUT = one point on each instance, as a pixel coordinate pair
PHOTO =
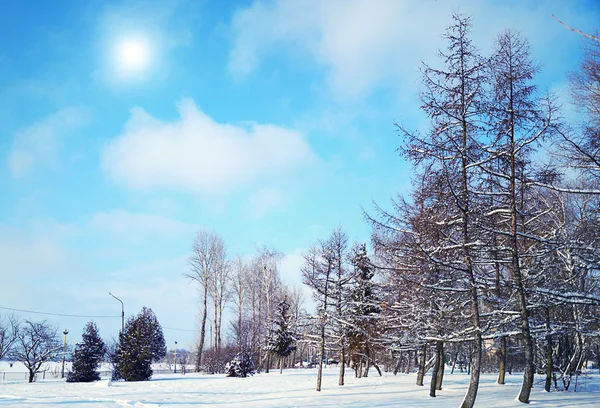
(132, 55)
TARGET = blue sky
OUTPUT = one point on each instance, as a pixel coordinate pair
(270, 122)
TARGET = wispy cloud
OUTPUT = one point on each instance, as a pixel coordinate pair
(125, 222)
(264, 201)
(197, 154)
(362, 44)
(41, 143)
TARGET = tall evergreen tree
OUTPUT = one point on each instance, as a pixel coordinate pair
(140, 343)
(87, 355)
(282, 341)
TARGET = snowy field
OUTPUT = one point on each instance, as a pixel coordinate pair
(293, 388)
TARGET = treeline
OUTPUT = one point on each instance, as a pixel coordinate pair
(490, 261)
(494, 251)
(140, 343)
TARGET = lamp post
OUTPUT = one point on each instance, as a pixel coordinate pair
(175, 359)
(122, 312)
(62, 372)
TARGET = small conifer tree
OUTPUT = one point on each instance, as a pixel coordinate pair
(140, 343)
(87, 356)
(282, 341)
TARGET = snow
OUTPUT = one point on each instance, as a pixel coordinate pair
(293, 388)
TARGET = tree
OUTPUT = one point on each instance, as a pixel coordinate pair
(363, 310)
(36, 343)
(207, 253)
(241, 366)
(281, 340)
(9, 327)
(239, 286)
(582, 144)
(317, 273)
(448, 154)
(519, 121)
(87, 356)
(220, 291)
(140, 343)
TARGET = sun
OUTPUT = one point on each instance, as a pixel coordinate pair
(132, 54)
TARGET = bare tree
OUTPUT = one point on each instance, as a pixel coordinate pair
(208, 251)
(317, 273)
(220, 291)
(449, 154)
(36, 343)
(9, 327)
(239, 288)
(520, 120)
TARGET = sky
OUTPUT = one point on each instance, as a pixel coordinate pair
(128, 126)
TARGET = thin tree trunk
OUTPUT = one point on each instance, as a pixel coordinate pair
(435, 370)
(440, 375)
(321, 356)
(549, 365)
(202, 331)
(502, 361)
(421, 372)
(342, 363)
(368, 362)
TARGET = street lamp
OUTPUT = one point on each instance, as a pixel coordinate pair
(122, 312)
(62, 372)
(175, 359)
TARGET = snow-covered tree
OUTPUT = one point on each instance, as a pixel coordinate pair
(208, 253)
(281, 340)
(87, 356)
(9, 327)
(242, 365)
(36, 343)
(362, 312)
(317, 273)
(140, 343)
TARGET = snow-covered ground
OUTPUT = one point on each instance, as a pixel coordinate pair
(293, 388)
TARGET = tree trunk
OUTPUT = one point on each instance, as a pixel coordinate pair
(280, 364)
(502, 360)
(342, 363)
(435, 370)
(549, 365)
(202, 331)
(440, 375)
(475, 367)
(321, 356)
(421, 372)
(31, 375)
(367, 362)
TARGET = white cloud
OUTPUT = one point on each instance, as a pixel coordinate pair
(291, 265)
(365, 43)
(264, 201)
(41, 143)
(352, 39)
(195, 153)
(125, 222)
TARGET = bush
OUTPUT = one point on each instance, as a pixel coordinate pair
(241, 366)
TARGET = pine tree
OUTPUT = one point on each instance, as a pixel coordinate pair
(241, 365)
(282, 341)
(363, 310)
(140, 343)
(87, 355)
